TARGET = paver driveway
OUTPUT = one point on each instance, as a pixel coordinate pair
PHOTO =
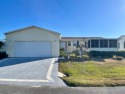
(30, 71)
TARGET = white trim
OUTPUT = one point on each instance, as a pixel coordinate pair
(31, 27)
(48, 76)
(22, 80)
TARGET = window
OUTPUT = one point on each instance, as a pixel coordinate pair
(118, 44)
(103, 43)
(124, 44)
(77, 43)
(63, 45)
(89, 44)
(85, 44)
(74, 43)
(94, 43)
(69, 43)
(112, 43)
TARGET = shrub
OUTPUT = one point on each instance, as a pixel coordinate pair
(78, 58)
(62, 53)
(61, 49)
(76, 52)
(85, 57)
(1, 44)
(108, 54)
(114, 57)
(3, 55)
(85, 53)
(72, 56)
(66, 57)
(119, 57)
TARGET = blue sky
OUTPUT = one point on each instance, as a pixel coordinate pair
(80, 18)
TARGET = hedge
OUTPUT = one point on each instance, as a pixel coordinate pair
(106, 53)
(3, 55)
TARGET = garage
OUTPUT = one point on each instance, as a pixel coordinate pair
(33, 49)
(32, 41)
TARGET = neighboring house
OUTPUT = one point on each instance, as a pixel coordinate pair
(70, 44)
(32, 41)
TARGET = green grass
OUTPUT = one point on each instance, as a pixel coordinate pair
(93, 73)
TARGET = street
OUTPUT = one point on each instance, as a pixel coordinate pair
(4, 89)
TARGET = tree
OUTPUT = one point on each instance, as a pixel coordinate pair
(1, 44)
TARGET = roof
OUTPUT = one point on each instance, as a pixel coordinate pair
(80, 37)
(122, 36)
(30, 27)
(86, 38)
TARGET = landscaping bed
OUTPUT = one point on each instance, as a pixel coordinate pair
(107, 72)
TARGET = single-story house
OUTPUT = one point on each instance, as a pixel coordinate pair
(35, 41)
(32, 41)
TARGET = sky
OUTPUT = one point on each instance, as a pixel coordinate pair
(71, 18)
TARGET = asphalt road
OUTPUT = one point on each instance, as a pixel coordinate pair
(4, 89)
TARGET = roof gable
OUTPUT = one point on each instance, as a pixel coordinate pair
(30, 27)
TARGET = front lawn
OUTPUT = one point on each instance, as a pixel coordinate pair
(94, 73)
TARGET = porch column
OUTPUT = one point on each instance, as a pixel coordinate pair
(90, 43)
(108, 43)
(99, 43)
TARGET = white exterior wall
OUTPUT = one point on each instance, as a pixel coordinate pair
(73, 48)
(70, 48)
(121, 43)
(81, 41)
(102, 49)
(32, 34)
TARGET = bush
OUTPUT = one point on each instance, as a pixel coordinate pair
(78, 58)
(72, 56)
(66, 57)
(108, 54)
(62, 53)
(76, 52)
(85, 57)
(114, 57)
(119, 57)
(1, 44)
(85, 53)
(3, 55)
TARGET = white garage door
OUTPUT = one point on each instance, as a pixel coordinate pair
(33, 49)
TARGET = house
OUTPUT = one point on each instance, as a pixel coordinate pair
(32, 41)
(70, 44)
(35, 41)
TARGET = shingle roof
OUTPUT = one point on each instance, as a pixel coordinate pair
(85, 38)
(29, 27)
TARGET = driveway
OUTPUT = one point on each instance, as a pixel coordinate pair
(30, 71)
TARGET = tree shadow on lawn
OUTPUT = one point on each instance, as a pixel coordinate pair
(98, 59)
